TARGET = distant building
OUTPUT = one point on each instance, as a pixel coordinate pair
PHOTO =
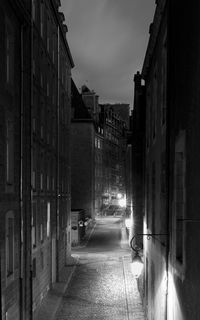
(82, 156)
(91, 101)
(114, 154)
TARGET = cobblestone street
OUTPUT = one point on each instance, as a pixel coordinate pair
(102, 286)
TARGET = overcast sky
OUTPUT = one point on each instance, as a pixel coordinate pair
(108, 41)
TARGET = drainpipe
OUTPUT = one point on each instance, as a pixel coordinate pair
(21, 178)
(58, 165)
(0, 288)
(31, 166)
(168, 175)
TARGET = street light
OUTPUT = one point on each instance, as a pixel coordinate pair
(137, 263)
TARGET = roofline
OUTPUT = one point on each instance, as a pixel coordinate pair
(63, 33)
(153, 31)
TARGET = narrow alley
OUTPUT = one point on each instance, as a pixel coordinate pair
(102, 286)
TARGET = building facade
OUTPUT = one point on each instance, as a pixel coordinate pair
(91, 101)
(15, 95)
(171, 167)
(114, 154)
(35, 122)
(51, 68)
(82, 156)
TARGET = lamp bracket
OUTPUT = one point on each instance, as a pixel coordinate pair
(135, 247)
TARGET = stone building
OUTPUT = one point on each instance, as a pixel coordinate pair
(82, 156)
(138, 153)
(114, 154)
(35, 185)
(15, 97)
(171, 255)
(91, 101)
(51, 85)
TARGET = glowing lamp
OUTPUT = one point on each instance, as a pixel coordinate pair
(119, 196)
(128, 223)
(137, 266)
(122, 203)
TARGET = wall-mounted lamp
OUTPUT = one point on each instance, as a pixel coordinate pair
(137, 263)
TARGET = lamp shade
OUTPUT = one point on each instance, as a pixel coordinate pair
(136, 266)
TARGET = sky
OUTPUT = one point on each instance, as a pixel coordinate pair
(108, 40)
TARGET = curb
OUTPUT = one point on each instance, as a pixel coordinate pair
(51, 303)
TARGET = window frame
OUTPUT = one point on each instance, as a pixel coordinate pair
(10, 262)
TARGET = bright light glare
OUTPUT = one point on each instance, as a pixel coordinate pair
(119, 196)
(128, 223)
(122, 203)
(136, 268)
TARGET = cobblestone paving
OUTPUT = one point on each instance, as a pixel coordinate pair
(102, 288)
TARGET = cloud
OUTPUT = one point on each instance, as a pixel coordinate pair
(108, 39)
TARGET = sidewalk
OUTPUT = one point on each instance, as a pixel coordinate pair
(52, 301)
(102, 289)
(111, 291)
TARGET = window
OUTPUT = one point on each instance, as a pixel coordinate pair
(42, 208)
(53, 47)
(179, 196)
(96, 143)
(48, 182)
(154, 106)
(33, 10)
(41, 181)
(34, 268)
(48, 218)
(33, 67)
(34, 217)
(153, 199)
(33, 179)
(48, 33)
(164, 83)
(42, 259)
(42, 19)
(9, 152)
(53, 184)
(9, 52)
(9, 243)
